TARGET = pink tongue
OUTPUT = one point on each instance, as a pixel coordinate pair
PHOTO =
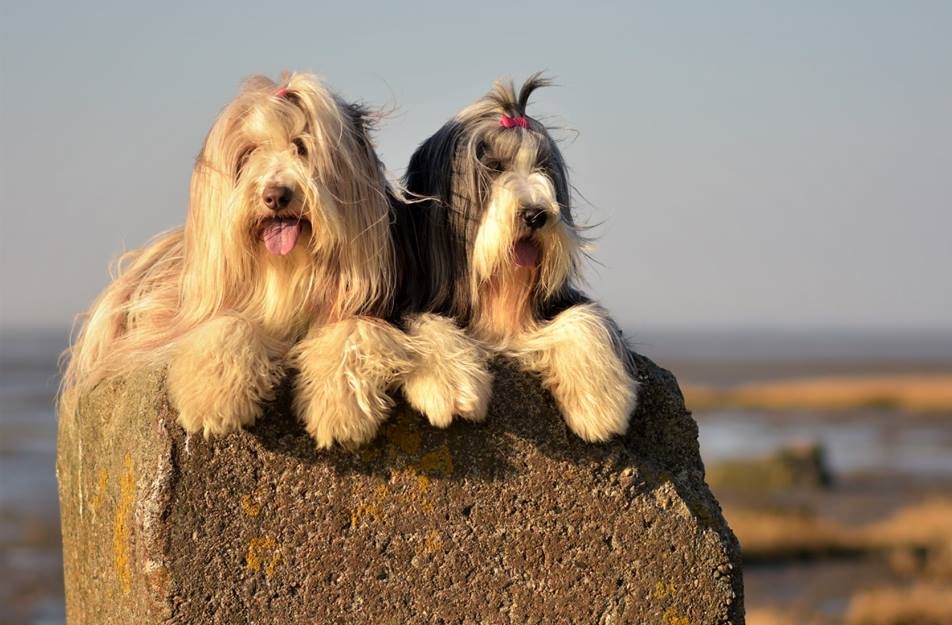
(280, 236)
(527, 253)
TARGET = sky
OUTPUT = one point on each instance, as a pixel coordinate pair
(746, 164)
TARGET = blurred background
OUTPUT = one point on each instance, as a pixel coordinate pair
(770, 183)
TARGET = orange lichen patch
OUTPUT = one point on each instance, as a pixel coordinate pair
(370, 509)
(263, 553)
(101, 483)
(672, 617)
(122, 529)
(249, 507)
(663, 589)
(433, 542)
(920, 392)
(439, 461)
(368, 453)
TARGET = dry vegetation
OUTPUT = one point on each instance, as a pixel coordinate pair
(921, 604)
(921, 392)
(917, 542)
(774, 534)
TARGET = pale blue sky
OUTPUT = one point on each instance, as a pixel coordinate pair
(768, 163)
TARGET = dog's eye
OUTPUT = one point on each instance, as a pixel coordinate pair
(493, 165)
(242, 160)
(300, 148)
(481, 149)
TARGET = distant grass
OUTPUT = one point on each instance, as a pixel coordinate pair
(919, 392)
(920, 604)
(767, 616)
(772, 535)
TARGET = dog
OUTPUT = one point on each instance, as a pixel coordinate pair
(286, 262)
(496, 234)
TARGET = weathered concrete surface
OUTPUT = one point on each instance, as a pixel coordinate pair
(511, 521)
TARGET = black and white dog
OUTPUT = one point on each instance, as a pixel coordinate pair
(497, 250)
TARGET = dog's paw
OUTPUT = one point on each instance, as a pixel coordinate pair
(596, 418)
(450, 375)
(345, 370)
(581, 361)
(332, 412)
(219, 376)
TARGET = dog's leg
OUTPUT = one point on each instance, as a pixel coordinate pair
(580, 358)
(344, 372)
(450, 375)
(219, 375)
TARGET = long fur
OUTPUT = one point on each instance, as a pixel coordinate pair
(209, 300)
(474, 180)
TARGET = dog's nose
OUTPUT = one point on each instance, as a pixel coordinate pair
(534, 217)
(277, 197)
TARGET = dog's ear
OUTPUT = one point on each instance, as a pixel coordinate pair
(425, 227)
(430, 172)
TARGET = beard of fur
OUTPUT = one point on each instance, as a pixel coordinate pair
(217, 263)
(508, 298)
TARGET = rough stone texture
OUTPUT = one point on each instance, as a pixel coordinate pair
(511, 521)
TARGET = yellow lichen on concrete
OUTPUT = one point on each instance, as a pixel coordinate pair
(122, 529)
(368, 453)
(663, 589)
(370, 508)
(439, 461)
(263, 553)
(249, 507)
(433, 542)
(101, 483)
(672, 617)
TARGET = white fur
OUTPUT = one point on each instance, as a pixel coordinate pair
(577, 358)
(210, 301)
(346, 369)
(450, 376)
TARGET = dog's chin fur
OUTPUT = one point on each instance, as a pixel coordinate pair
(214, 304)
(473, 179)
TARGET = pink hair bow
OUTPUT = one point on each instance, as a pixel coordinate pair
(282, 92)
(511, 122)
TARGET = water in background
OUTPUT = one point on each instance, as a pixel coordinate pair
(873, 441)
(31, 578)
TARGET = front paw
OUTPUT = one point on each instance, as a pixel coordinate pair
(219, 377)
(439, 393)
(450, 376)
(208, 403)
(333, 413)
(596, 417)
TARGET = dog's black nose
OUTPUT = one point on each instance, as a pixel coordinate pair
(534, 217)
(277, 197)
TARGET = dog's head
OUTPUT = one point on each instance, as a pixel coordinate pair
(499, 185)
(288, 179)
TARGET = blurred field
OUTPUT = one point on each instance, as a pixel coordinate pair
(919, 392)
(922, 530)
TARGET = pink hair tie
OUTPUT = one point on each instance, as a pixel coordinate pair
(282, 92)
(511, 122)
